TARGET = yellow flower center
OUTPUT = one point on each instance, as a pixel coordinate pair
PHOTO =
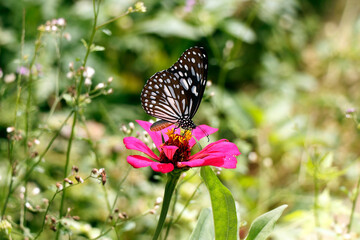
(182, 142)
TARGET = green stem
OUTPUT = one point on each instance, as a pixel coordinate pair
(169, 190)
(44, 219)
(103, 234)
(58, 96)
(353, 206)
(30, 89)
(316, 197)
(66, 171)
(50, 202)
(94, 29)
(28, 173)
(11, 179)
(97, 158)
(172, 213)
(18, 87)
(187, 203)
(112, 20)
(119, 188)
(77, 106)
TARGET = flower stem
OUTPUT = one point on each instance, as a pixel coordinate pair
(169, 190)
(316, 197)
(66, 170)
(45, 214)
(76, 111)
(354, 205)
(112, 20)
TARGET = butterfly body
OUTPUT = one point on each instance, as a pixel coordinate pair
(174, 95)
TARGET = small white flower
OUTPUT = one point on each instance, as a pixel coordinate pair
(9, 78)
(158, 200)
(79, 179)
(131, 125)
(89, 72)
(100, 86)
(70, 75)
(123, 128)
(101, 170)
(59, 186)
(10, 129)
(47, 28)
(110, 79)
(253, 157)
(37, 141)
(88, 82)
(61, 22)
(28, 205)
(268, 162)
(71, 65)
(139, 6)
(36, 191)
(110, 91)
(54, 28)
(95, 172)
(67, 36)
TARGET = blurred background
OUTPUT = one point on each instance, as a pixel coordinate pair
(285, 89)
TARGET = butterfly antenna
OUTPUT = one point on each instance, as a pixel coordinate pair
(206, 134)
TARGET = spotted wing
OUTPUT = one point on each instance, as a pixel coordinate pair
(162, 98)
(191, 72)
(176, 93)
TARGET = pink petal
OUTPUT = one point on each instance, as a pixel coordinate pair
(136, 144)
(221, 161)
(221, 147)
(169, 151)
(201, 131)
(155, 136)
(139, 161)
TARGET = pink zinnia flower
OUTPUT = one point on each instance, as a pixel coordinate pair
(175, 152)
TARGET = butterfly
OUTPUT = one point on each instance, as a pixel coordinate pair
(174, 95)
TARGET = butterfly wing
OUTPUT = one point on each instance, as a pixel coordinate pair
(160, 97)
(176, 93)
(191, 70)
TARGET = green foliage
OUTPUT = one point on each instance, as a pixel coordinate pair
(284, 88)
(204, 229)
(5, 230)
(263, 225)
(223, 206)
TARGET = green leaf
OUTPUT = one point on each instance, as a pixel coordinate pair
(84, 43)
(5, 229)
(68, 99)
(107, 32)
(262, 226)
(174, 27)
(204, 229)
(223, 206)
(239, 30)
(96, 48)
